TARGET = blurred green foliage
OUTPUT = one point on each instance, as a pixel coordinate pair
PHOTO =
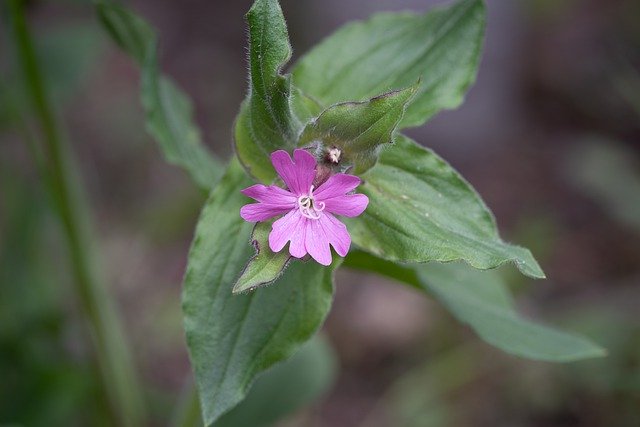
(47, 380)
(44, 379)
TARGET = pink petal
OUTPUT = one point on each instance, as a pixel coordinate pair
(255, 212)
(317, 243)
(270, 194)
(297, 176)
(296, 247)
(350, 205)
(337, 185)
(290, 227)
(336, 233)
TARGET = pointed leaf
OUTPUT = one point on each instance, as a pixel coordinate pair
(389, 50)
(129, 31)
(266, 122)
(265, 266)
(420, 209)
(482, 300)
(232, 338)
(287, 387)
(359, 129)
(169, 111)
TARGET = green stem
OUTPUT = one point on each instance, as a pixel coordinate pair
(111, 352)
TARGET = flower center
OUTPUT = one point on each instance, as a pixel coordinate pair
(308, 207)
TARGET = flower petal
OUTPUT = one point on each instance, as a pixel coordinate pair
(350, 205)
(290, 227)
(255, 212)
(270, 194)
(336, 233)
(317, 243)
(297, 176)
(296, 247)
(337, 185)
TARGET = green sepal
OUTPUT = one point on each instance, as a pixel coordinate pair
(265, 266)
(358, 129)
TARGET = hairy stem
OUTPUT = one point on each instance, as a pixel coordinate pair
(112, 357)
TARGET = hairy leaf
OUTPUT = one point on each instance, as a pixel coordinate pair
(482, 300)
(358, 129)
(392, 50)
(266, 122)
(265, 266)
(420, 209)
(287, 387)
(169, 114)
(232, 338)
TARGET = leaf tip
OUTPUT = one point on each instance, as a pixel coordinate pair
(530, 267)
(592, 351)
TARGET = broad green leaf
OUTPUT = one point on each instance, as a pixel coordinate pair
(420, 209)
(392, 50)
(266, 122)
(265, 266)
(233, 338)
(482, 300)
(287, 387)
(304, 107)
(358, 129)
(169, 112)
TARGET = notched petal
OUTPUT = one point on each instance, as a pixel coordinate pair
(297, 176)
(317, 243)
(350, 205)
(270, 194)
(256, 212)
(337, 185)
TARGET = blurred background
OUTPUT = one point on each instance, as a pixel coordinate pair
(549, 136)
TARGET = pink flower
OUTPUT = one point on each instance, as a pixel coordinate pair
(309, 222)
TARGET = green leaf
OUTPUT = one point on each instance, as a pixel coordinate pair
(266, 265)
(482, 300)
(359, 129)
(304, 107)
(392, 50)
(420, 209)
(287, 387)
(127, 29)
(232, 338)
(359, 260)
(169, 112)
(170, 120)
(266, 122)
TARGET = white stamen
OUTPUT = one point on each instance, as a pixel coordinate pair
(308, 207)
